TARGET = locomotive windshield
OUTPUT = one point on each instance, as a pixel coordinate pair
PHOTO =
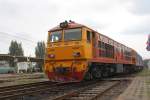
(72, 34)
(55, 36)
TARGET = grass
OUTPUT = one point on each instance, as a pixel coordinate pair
(144, 72)
(148, 87)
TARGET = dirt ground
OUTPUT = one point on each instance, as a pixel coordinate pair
(139, 89)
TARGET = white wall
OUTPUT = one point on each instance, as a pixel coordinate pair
(4, 64)
(22, 66)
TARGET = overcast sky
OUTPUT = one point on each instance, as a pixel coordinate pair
(27, 21)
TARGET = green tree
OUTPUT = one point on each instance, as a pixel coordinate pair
(15, 49)
(40, 53)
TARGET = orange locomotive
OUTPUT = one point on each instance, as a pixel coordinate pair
(75, 52)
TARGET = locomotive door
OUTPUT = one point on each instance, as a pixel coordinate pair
(94, 44)
(91, 39)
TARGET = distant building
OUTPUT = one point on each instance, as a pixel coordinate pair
(5, 69)
(4, 64)
(24, 67)
(21, 63)
(148, 43)
(147, 63)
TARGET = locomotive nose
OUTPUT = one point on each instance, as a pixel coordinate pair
(65, 53)
(62, 70)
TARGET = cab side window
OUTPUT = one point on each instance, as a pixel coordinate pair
(88, 34)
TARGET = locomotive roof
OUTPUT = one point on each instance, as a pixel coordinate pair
(70, 25)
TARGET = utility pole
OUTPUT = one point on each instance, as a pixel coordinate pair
(15, 61)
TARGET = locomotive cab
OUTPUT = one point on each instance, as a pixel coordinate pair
(69, 46)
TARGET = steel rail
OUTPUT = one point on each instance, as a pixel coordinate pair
(23, 85)
(106, 90)
(77, 92)
(26, 89)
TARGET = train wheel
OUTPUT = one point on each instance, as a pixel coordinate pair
(96, 72)
(88, 76)
(105, 72)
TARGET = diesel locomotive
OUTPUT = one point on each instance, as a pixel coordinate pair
(75, 52)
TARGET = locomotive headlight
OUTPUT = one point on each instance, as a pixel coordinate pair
(76, 54)
(51, 56)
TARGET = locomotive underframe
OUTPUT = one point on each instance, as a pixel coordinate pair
(98, 70)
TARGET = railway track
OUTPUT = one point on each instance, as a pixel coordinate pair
(86, 90)
(90, 92)
(19, 91)
(24, 89)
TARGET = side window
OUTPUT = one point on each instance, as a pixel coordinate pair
(99, 44)
(88, 34)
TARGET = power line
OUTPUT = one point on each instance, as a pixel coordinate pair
(7, 34)
(6, 43)
(6, 40)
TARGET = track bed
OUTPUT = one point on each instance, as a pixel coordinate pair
(86, 90)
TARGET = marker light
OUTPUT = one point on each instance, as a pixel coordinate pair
(76, 54)
(51, 56)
